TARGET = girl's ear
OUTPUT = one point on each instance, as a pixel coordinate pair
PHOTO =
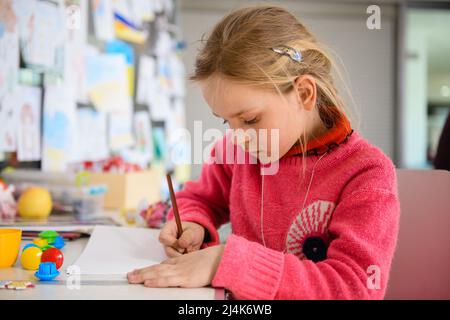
(305, 88)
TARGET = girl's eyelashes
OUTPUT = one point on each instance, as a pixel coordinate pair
(247, 122)
(251, 121)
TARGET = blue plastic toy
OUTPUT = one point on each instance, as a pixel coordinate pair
(59, 242)
(47, 271)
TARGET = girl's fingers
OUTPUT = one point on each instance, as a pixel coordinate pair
(171, 252)
(156, 271)
(186, 239)
(137, 276)
(167, 236)
(170, 261)
(190, 249)
(164, 282)
(190, 239)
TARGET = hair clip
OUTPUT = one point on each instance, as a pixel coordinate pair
(288, 51)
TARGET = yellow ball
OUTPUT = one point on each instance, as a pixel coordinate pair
(35, 202)
(31, 258)
(40, 242)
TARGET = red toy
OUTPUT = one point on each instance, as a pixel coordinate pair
(53, 255)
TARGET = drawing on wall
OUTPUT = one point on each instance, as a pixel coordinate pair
(29, 124)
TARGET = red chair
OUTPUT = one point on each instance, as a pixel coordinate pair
(421, 265)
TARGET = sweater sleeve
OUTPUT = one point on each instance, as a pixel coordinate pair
(206, 200)
(364, 230)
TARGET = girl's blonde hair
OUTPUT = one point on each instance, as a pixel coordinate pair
(239, 48)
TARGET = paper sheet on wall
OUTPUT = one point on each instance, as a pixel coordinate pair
(41, 31)
(76, 20)
(120, 131)
(127, 51)
(178, 139)
(107, 82)
(153, 87)
(143, 133)
(92, 139)
(29, 123)
(75, 47)
(159, 106)
(146, 80)
(118, 250)
(163, 44)
(178, 74)
(9, 48)
(59, 131)
(142, 153)
(8, 121)
(103, 16)
(143, 10)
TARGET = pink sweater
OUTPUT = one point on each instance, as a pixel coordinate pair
(340, 246)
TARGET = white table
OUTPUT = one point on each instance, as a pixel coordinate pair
(105, 290)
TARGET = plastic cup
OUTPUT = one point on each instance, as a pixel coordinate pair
(9, 246)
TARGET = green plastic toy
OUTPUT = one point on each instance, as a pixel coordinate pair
(49, 235)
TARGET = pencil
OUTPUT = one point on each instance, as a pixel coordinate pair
(175, 207)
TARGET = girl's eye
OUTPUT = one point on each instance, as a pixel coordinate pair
(251, 121)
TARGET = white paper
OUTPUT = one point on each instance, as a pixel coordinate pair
(107, 82)
(120, 130)
(59, 132)
(92, 135)
(76, 20)
(8, 119)
(119, 250)
(143, 133)
(24, 10)
(160, 106)
(146, 82)
(29, 123)
(75, 48)
(142, 153)
(178, 75)
(143, 10)
(177, 116)
(153, 88)
(178, 139)
(103, 17)
(163, 45)
(9, 49)
(42, 31)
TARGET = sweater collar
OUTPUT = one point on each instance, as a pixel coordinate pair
(335, 136)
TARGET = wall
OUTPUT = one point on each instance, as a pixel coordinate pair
(368, 56)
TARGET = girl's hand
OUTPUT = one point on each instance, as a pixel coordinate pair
(191, 239)
(196, 269)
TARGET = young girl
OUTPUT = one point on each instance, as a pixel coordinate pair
(324, 224)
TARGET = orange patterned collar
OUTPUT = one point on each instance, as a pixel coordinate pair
(338, 134)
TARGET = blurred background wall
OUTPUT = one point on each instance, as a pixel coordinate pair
(372, 61)
(368, 57)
